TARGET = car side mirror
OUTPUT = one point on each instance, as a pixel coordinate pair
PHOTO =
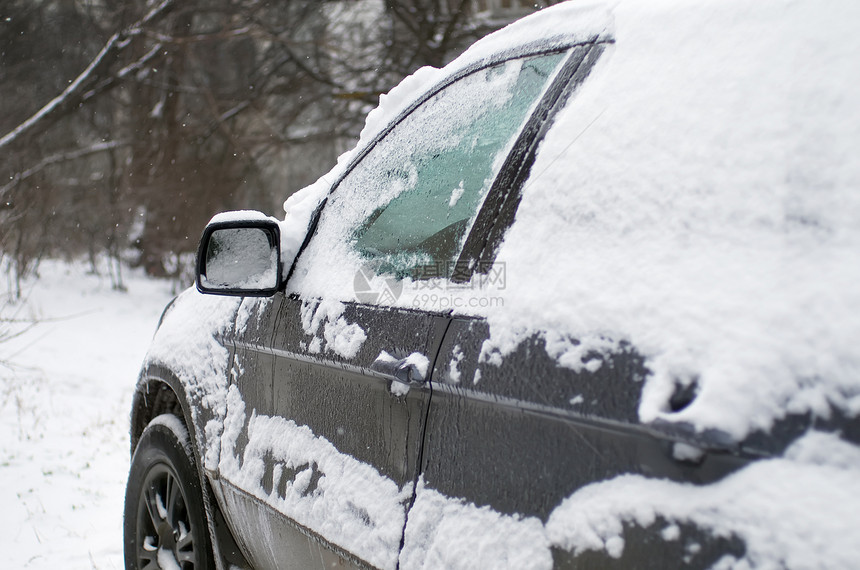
(240, 254)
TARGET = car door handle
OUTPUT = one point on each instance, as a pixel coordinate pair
(411, 370)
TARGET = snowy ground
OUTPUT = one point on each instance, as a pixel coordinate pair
(64, 406)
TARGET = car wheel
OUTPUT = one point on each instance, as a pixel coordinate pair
(165, 520)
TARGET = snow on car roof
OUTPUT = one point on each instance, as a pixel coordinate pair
(555, 27)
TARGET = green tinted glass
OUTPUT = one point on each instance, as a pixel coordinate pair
(441, 161)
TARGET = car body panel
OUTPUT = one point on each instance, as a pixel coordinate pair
(528, 445)
(517, 435)
(343, 465)
(305, 370)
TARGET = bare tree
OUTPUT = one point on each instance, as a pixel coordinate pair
(95, 79)
(127, 125)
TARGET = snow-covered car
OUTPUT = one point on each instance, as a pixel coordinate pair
(587, 297)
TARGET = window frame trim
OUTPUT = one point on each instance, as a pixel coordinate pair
(497, 212)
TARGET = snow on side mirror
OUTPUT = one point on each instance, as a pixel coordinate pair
(239, 254)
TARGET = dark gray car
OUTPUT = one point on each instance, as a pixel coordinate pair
(543, 316)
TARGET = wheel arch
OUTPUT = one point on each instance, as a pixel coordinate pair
(160, 391)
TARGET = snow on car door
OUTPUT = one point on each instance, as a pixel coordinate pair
(321, 437)
(521, 420)
(334, 454)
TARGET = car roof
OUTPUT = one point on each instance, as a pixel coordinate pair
(555, 28)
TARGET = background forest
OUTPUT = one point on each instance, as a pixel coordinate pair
(124, 126)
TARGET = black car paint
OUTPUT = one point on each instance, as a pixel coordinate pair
(343, 400)
(515, 423)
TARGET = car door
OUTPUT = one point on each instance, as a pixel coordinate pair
(514, 428)
(328, 400)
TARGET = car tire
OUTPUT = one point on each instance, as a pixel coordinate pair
(165, 518)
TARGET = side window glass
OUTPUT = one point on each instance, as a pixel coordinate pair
(411, 200)
(439, 163)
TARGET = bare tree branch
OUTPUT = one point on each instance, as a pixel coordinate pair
(79, 90)
(58, 158)
(199, 38)
(123, 73)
